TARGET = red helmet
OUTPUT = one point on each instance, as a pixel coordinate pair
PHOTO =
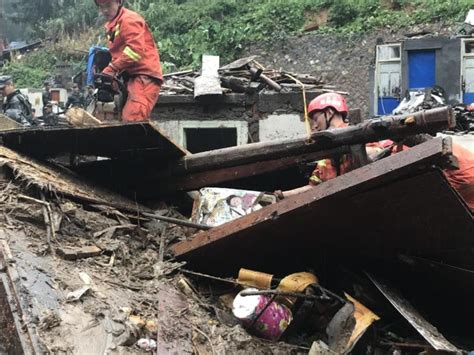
(332, 99)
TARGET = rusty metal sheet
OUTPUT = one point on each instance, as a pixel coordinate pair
(422, 326)
(394, 205)
(114, 140)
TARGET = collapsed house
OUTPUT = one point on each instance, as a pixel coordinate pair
(110, 254)
(248, 103)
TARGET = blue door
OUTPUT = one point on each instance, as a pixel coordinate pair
(468, 81)
(421, 69)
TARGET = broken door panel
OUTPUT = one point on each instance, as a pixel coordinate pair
(468, 80)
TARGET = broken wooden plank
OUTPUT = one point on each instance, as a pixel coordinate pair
(209, 83)
(422, 326)
(79, 117)
(72, 254)
(239, 63)
(403, 182)
(114, 140)
(393, 127)
(7, 123)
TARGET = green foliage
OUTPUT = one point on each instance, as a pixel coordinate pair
(352, 16)
(186, 29)
(31, 71)
(50, 18)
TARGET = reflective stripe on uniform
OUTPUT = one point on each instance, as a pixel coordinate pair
(129, 52)
(322, 163)
(315, 180)
(117, 30)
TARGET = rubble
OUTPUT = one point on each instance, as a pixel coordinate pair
(245, 75)
(84, 269)
(102, 286)
(433, 98)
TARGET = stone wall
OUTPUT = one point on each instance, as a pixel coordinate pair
(347, 62)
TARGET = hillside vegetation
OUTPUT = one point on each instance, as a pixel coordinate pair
(185, 29)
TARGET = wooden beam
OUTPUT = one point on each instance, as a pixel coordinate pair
(198, 180)
(394, 127)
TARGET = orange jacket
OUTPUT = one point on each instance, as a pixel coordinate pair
(132, 46)
(462, 179)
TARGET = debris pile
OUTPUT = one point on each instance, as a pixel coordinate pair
(436, 97)
(245, 75)
(329, 271)
(94, 275)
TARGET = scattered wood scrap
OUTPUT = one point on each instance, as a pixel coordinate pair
(244, 75)
(72, 254)
(79, 117)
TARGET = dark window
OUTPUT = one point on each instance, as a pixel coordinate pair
(205, 139)
(469, 49)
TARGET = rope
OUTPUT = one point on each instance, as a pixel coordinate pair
(306, 117)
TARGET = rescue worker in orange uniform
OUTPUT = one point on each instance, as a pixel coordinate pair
(135, 54)
(329, 111)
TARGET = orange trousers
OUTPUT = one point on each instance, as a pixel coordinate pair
(143, 93)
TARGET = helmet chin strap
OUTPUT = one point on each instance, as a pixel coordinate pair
(328, 120)
(120, 3)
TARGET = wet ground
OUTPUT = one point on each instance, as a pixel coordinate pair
(9, 341)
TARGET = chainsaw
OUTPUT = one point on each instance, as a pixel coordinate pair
(107, 88)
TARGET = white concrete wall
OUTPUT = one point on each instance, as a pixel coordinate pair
(36, 100)
(281, 126)
(175, 129)
(465, 140)
(35, 96)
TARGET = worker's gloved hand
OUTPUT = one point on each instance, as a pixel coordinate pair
(107, 82)
(109, 70)
(279, 195)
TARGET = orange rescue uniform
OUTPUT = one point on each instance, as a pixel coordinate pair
(134, 52)
(462, 179)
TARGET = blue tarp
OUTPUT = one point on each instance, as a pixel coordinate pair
(90, 62)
